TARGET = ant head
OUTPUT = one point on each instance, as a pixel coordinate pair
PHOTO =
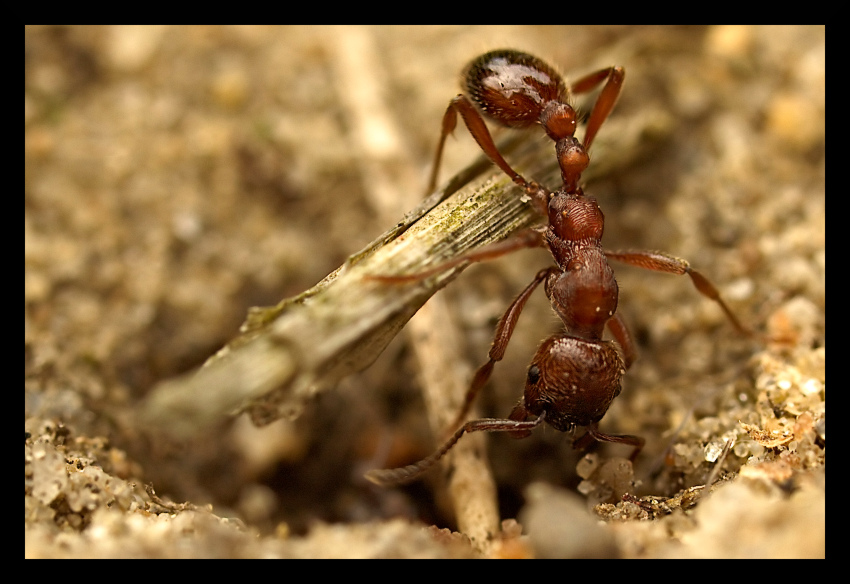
(572, 381)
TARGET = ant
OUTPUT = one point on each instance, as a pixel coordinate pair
(575, 374)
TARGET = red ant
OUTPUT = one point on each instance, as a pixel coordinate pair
(575, 375)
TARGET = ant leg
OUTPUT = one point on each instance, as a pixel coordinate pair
(476, 126)
(520, 413)
(623, 336)
(661, 262)
(405, 474)
(520, 240)
(606, 100)
(449, 123)
(504, 331)
(594, 433)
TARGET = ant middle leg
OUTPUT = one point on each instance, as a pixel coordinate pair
(520, 240)
(661, 262)
(605, 102)
(476, 126)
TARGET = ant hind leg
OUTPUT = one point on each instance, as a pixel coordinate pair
(476, 126)
(605, 102)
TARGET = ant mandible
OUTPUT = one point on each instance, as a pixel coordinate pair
(575, 375)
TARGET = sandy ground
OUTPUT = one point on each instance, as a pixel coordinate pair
(175, 177)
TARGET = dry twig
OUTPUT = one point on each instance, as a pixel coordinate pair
(288, 353)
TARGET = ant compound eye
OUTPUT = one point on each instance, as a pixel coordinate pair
(533, 374)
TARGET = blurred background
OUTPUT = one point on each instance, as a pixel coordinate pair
(176, 176)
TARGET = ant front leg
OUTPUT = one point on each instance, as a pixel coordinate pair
(593, 433)
(504, 331)
(405, 474)
(661, 262)
(476, 126)
(606, 100)
(623, 336)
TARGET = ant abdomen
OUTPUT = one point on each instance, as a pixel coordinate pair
(512, 87)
